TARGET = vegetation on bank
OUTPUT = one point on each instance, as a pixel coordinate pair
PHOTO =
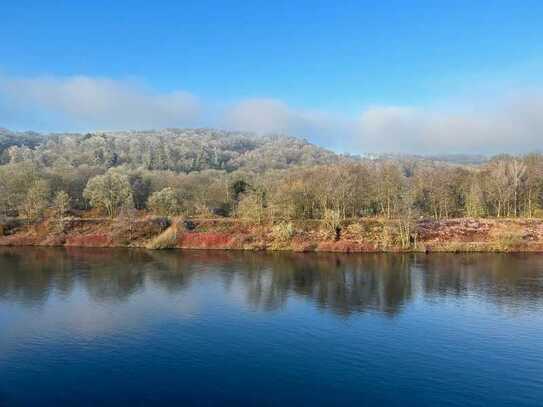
(350, 235)
(287, 190)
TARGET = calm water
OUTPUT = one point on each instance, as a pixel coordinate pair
(114, 326)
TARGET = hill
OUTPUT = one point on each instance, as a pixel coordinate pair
(179, 150)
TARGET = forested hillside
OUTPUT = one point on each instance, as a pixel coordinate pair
(179, 150)
(207, 173)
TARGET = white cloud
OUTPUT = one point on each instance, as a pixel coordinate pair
(261, 116)
(514, 124)
(83, 101)
(275, 116)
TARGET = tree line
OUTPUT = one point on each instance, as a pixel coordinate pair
(214, 174)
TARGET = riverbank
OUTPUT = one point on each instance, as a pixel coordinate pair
(362, 235)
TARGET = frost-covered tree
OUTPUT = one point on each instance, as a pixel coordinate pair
(60, 205)
(164, 202)
(35, 201)
(109, 192)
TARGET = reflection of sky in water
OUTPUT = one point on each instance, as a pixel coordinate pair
(85, 317)
(339, 322)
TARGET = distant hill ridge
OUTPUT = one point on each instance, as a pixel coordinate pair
(180, 150)
(186, 150)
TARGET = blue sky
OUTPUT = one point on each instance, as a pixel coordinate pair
(346, 74)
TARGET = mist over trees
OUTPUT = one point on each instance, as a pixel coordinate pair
(210, 173)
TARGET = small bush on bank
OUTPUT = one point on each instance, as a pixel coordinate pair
(388, 238)
(189, 224)
(331, 223)
(9, 226)
(508, 240)
(355, 231)
(282, 232)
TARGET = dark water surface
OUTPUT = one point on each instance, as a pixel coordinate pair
(116, 326)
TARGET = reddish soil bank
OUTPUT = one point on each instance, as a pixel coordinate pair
(362, 235)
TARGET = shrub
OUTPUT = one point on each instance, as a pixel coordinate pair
(282, 232)
(189, 224)
(355, 230)
(252, 207)
(35, 201)
(222, 210)
(9, 225)
(60, 206)
(109, 192)
(164, 202)
(331, 223)
(508, 240)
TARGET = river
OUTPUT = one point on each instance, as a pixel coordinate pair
(110, 326)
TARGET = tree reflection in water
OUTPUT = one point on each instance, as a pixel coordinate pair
(343, 283)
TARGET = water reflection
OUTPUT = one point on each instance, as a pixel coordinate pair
(345, 284)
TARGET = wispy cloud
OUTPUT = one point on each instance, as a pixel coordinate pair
(275, 116)
(83, 101)
(512, 124)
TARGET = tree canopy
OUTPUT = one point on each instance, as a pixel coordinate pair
(264, 178)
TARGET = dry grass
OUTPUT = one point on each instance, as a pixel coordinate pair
(282, 234)
(166, 240)
(507, 240)
(356, 231)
